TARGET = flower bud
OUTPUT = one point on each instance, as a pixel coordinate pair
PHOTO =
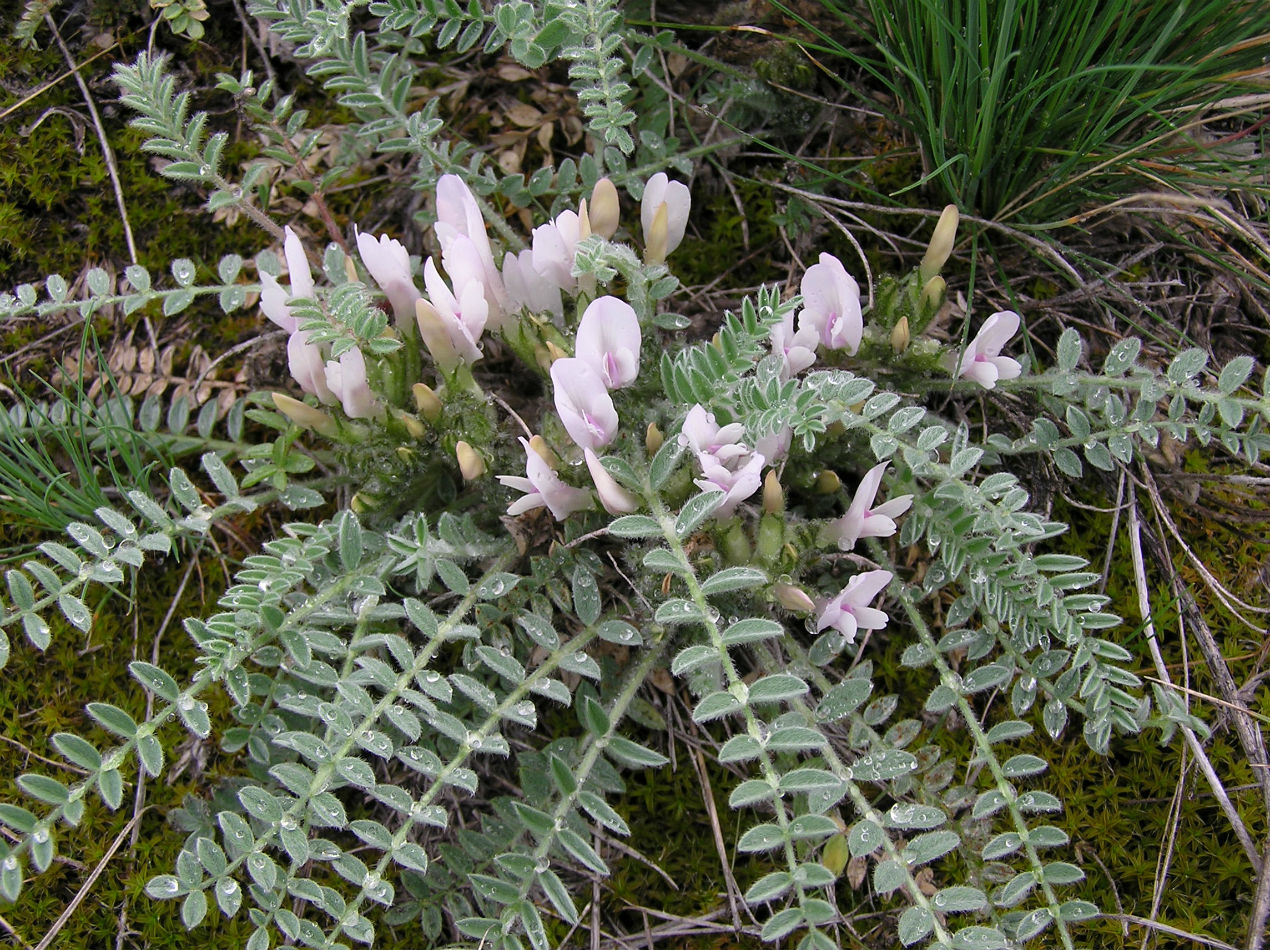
(362, 503)
(584, 220)
(793, 598)
(653, 439)
(773, 495)
(414, 427)
(941, 245)
(426, 402)
(605, 210)
(900, 334)
(406, 454)
(305, 416)
(554, 352)
(655, 239)
(471, 465)
(828, 482)
(931, 299)
(543, 451)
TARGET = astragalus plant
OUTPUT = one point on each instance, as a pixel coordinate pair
(430, 691)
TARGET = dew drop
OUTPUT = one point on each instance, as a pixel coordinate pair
(579, 657)
(40, 836)
(187, 703)
(228, 886)
(289, 823)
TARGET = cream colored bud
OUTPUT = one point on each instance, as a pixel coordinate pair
(941, 245)
(554, 352)
(362, 503)
(932, 297)
(426, 402)
(793, 598)
(350, 271)
(658, 234)
(828, 482)
(406, 454)
(653, 439)
(584, 221)
(900, 335)
(471, 464)
(305, 416)
(435, 337)
(414, 427)
(773, 495)
(543, 451)
(605, 209)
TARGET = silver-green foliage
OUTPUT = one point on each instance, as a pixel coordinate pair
(387, 682)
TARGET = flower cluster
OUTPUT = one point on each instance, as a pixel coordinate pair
(343, 380)
(466, 293)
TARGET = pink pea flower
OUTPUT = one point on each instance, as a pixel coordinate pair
(615, 499)
(664, 216)
(738, 479)
(307, 366)
(796, 350)
(774, 445)
(528, 288)
(849, 611)
(831, 304)
(705, 436)
(608, 341)
(389, 265)
(982, 361)
(347, 380)
(554, 247)
(462, 315)
(863, 521)
(543, 489)
(273, 299)
(583, 403)
(458, 215)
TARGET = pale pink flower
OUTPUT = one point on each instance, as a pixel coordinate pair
(705, 436)
(347, 381)
(739, 479)
(796, 350)
(462, 313)
(608, 341)
(273, 299)
(615, 499)
(864, 521)
(543, 489)
(849, 611)
(664, 216)
(774, 445)
(388, 262)
(528, 288)
(554, 247)
(831, 304)
(459, 215)
(982, 361)
(583, 403)
(307, 366)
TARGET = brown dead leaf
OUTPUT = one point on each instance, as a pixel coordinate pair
(510, 72)
(857, 868)
(524, 115)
